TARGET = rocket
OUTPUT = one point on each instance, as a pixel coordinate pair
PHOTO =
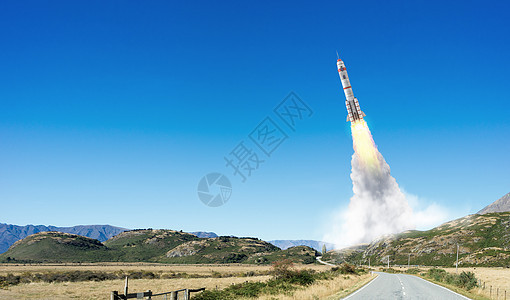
(354, 112)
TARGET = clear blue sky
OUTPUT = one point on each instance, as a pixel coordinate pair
(112, 111)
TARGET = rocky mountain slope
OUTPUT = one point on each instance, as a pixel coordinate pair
(350, 254)
(500, 205)
(484, 240)
(9, 234)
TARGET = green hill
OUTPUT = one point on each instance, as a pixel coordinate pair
(218, 250)
(484, 240)
(350, 254)
(297, 254)
(52, 246)
(162, 246)
(146, 245)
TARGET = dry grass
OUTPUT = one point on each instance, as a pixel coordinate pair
(336, 288)
(495, 277)
(102, 289)
(112, 267)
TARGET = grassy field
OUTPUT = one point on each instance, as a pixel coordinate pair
(495, 277)
(102, 289)
(218, 277)
(215, 276)
(112, 267)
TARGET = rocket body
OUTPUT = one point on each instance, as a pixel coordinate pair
(354, 112)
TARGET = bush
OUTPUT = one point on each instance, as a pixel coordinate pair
(465, 280)
(303, 277)
(436, 274)
(247, 289)
(282, 268)
(346, 268)
(285, 280)
(390, 270)
(413, 271)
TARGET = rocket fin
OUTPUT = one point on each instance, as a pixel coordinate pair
(347, 120)
(363, 114)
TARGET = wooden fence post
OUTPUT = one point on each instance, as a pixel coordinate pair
(173, 295)
(186, 294)
(114, 295)
(150, 294)
(126, 287)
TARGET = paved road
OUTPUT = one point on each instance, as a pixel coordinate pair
(402, 286)
(323, 262)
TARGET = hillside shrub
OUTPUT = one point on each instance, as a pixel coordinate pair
(302, 277)
(346, 268)
(465, 280)
(390, 270)
(282, 268)
(436, 274)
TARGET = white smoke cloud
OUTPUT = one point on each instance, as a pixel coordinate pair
(378, 207)
(427, 215)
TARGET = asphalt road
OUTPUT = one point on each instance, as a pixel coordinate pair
(402, 286)
(323, 262)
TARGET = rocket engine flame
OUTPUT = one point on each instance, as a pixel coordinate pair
(364, 146)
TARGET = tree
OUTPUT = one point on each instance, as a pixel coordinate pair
(324, 250)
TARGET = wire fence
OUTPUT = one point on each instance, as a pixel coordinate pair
(492, 291)
(183, 294)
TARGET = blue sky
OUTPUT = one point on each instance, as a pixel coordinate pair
(110, 113)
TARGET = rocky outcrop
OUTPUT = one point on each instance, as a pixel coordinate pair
(500, 205)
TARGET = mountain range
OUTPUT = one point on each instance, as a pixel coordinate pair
(488, 236)
(317, 245)
(9, 234)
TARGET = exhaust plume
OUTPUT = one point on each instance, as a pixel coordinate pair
(378, 206)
